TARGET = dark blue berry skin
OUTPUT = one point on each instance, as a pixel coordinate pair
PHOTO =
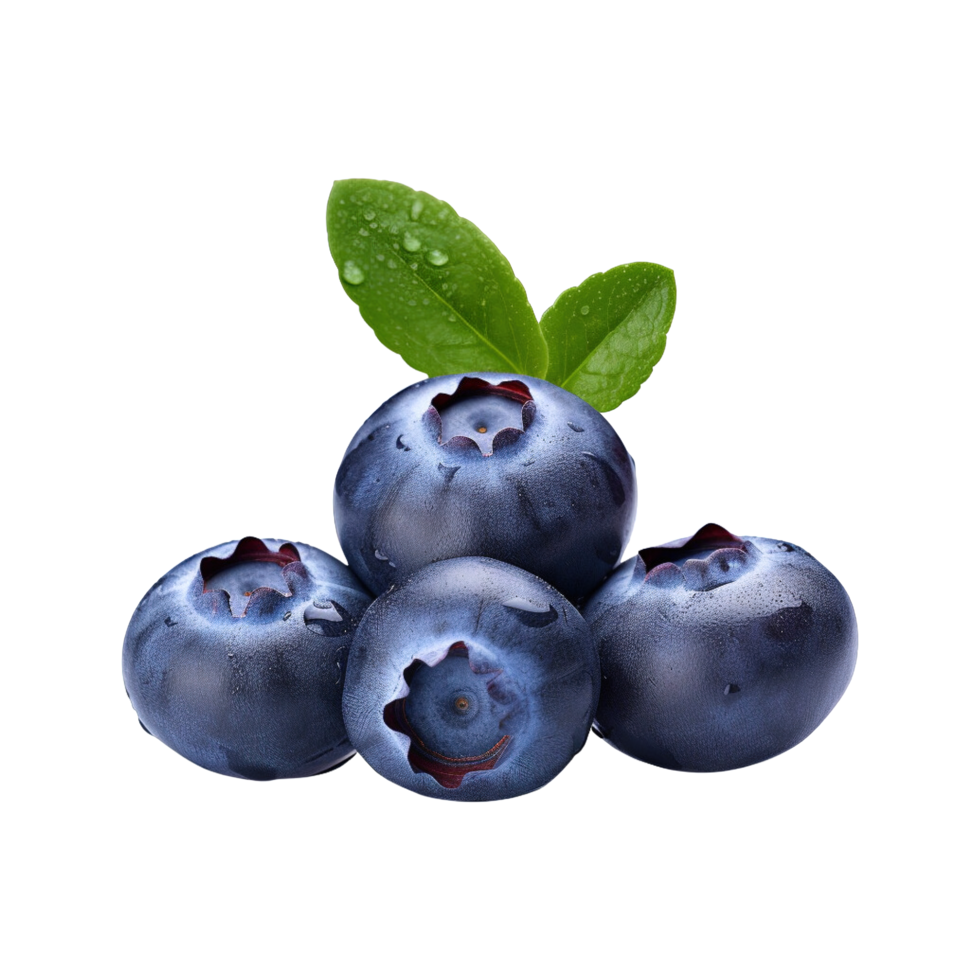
(472, 680)
(505, 466)
(719, 652)
(235, 658)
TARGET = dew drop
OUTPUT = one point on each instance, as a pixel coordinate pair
(531, 613)
(363, 231)
(584, 311)
(353, 273)
(411, 243)
(436, 257)
(526, 605)
(369, 216)
(392, 264)
(380, 258)
(323, 610)
(417, 210)
(326, 618)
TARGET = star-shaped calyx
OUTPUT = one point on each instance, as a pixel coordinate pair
(251, 570)
(479, 413)
(709, 558)
(451, 716)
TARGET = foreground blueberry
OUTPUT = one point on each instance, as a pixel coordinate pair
(718, 651)
(235, 658)
(473, 680)
(505, 466)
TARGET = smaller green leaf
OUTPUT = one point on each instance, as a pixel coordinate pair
(433, 287)
(605, 335)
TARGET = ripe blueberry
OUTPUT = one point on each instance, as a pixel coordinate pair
(504, 466)
(718, 651)
(235, 658)
(472, 680)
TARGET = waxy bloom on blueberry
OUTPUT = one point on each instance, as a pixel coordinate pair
(236, 657)
(719, 651)
(472, 680)
(504, 466)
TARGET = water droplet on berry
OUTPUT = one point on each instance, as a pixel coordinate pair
(527, 605)
(323, 610)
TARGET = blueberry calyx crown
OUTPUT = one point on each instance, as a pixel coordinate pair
(250, 571)
(708, 559)
(478, 413)
(448, 715)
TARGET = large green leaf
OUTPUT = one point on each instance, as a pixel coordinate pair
(434, 288)
(605, 335)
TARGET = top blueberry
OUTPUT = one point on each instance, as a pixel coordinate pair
(505, 466)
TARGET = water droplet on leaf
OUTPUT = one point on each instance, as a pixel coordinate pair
(353, 273)
(412, 244)
(437, 257)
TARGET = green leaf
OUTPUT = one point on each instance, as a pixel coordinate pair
(605, 335)
(434, 288)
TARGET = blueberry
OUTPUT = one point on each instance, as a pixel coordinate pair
(472, 680)
(235, 658)
(718, 651)
(504, 466)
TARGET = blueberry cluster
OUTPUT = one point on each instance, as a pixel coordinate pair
(484, 624)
